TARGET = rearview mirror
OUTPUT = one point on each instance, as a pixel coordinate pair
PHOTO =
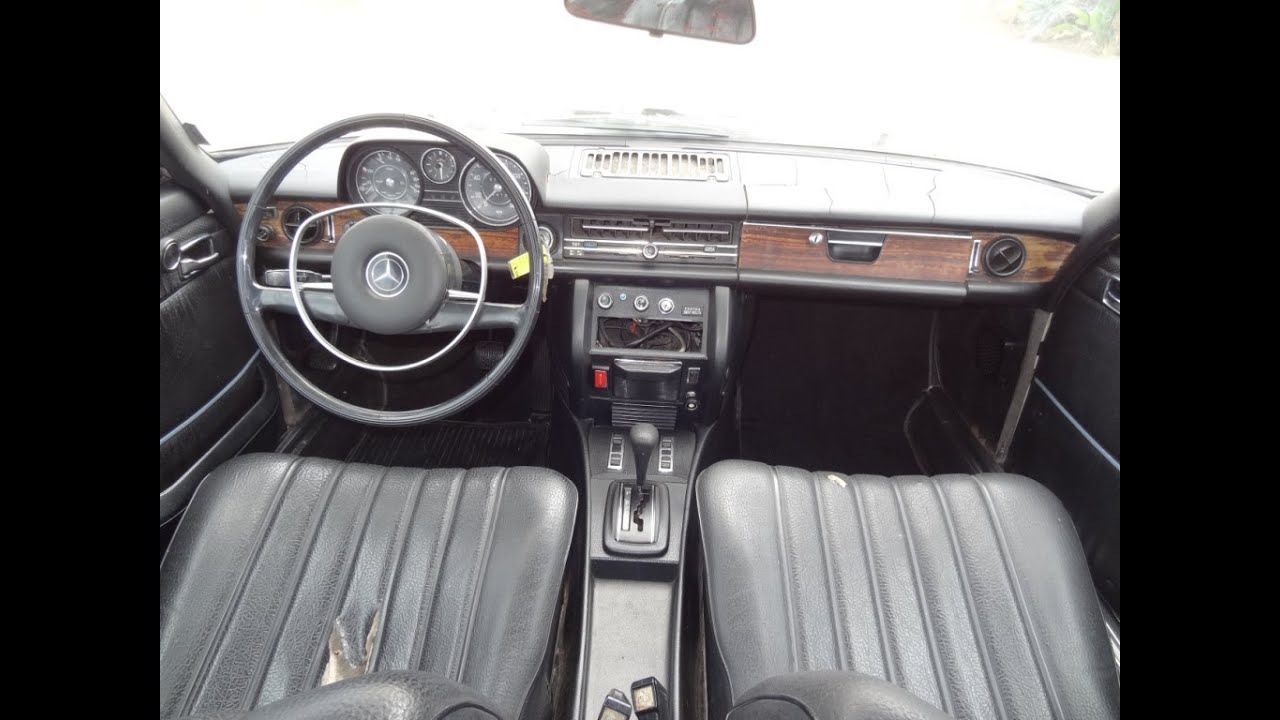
(732, 21)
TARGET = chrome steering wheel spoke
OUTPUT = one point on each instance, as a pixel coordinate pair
(449, 324)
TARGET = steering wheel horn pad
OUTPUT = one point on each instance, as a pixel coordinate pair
(391, 274)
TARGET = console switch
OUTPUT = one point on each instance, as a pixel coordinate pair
(615, 452)
(666, 455)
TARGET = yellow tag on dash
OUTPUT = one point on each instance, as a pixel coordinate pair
(519, 266)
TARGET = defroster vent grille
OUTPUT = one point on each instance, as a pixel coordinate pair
(659, 164)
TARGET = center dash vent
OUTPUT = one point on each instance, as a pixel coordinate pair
(696, 232)
(662, 164)
(293, 217)
(597, 228)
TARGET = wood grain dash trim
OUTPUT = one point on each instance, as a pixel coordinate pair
(1044, 256)
(903, 257)
(499, 244)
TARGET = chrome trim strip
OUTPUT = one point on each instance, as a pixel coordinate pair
(866, 231)
(1076, 424)
(627, 252)
(864, 243)
(659, 243)
(974, 268)
(213, 400)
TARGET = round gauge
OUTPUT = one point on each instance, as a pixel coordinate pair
(439, 165)
(386, 176)
(486, 197)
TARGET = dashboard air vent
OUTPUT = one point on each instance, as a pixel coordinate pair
(596, 228)
(1004, 256)
(658, 164)
(698, 232)
(293, 217)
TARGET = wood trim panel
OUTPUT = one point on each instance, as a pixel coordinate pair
(1044, 256)
(499, 244)
(903, 257)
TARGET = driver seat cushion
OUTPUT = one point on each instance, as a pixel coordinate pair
(285, 570)
(969, 591)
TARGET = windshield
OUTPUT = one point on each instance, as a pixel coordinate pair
(1025, 85)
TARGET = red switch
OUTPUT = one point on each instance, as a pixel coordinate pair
(600, 379)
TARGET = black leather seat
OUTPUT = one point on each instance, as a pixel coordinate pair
(969, 591)
(286, 571)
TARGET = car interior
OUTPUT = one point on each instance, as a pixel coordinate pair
(613, 424)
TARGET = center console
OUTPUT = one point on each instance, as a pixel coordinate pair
(647, 375)
(650, 353)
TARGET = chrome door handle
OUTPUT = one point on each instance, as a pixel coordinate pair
(1111, 294)
(203, 250)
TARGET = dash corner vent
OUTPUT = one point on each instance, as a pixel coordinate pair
(293, 217)
(1004, 256)
(656, 164)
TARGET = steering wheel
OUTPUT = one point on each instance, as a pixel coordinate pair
(390, 275)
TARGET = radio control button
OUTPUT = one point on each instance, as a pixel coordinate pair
(642, 303)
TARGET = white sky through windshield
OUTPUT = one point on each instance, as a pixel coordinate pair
(947, 78)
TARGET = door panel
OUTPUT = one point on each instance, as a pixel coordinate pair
(213, 394)
(1069, 437)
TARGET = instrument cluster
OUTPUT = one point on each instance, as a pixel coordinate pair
(437, 176)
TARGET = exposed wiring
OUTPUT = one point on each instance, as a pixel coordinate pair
(673, 335)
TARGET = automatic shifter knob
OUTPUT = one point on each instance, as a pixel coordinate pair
(644, 438)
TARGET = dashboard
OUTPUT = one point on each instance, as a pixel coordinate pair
(717, 212)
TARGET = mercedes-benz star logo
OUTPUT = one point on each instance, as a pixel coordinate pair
(387, 274)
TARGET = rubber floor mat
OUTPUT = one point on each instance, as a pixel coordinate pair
(454, 444)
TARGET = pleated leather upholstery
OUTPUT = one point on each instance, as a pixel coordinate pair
(461, 568)
(970, 591)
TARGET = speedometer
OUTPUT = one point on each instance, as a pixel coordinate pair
(486, 197)
(387, 176)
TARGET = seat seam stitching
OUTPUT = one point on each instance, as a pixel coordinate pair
(314, 523)
(827, 567)
(477, 586)
(395, 557)
(349, 563)
(922, 602)
(786, 573)
(427, 601)
(980, 641)
(195, 688)
(890, 674)
(1011, 573)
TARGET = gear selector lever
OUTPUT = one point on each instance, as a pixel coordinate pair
(636, 521)
(644, 438)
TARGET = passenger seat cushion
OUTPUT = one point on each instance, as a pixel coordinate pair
(280, 559)
(969, 591)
